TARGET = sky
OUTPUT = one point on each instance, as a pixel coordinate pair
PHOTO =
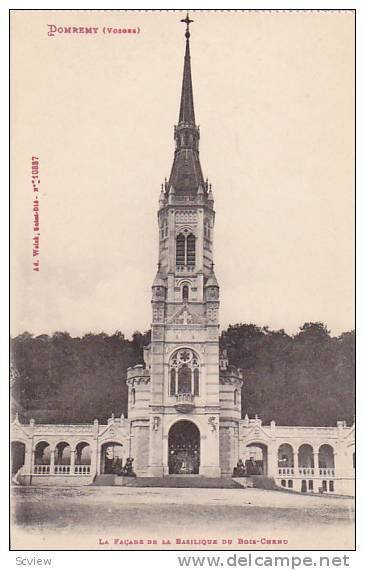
(274, 97)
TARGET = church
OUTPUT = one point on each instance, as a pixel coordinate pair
(184, 403)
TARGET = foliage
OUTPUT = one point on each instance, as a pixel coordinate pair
(304, 379)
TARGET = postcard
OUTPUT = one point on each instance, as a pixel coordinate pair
(182, 259)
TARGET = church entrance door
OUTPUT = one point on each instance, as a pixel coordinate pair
(184, 449)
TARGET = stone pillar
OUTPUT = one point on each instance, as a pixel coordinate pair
(316, 464)
(296, 463)
(272, 462)
(209, 448)
(72, 461)
(51, 466)
(27, 465)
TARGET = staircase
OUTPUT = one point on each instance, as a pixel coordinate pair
(104, 480)
(183, 481)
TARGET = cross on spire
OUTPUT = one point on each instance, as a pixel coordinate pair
(187, 21)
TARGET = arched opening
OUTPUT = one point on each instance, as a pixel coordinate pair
(82, 458)
(133, 396)
(306, 459)
(184, 448)
(62, 457)
(42, 458)
(180, 250)
(184, 380)
(190, 250)
(185, 292)
(42, 453)
(185, 250)
(196, 382)
(111, 458)
(256, 459)
(285, 459)
(17, 456)
(173, 382)
(235, 397)
(326, 458)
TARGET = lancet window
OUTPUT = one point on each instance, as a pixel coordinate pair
(185, 250)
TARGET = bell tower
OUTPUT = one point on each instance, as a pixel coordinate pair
(175, 402)
(184, 352)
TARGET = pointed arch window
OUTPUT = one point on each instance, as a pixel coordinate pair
(180, 250)
(185, 250)
(190, 250)
(196, 381)
(184, 379)
(184, 373)
(173, 382)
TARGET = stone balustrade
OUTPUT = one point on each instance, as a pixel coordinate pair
(61, 469)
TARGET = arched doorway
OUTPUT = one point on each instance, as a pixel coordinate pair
(184, 448)
(17, 456)
(112, 454)
(256, 459)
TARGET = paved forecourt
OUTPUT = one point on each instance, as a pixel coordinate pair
(116, 517)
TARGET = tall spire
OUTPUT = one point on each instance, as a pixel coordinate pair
(186, 174)
(186, 114)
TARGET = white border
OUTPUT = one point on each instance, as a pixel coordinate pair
(168, 560)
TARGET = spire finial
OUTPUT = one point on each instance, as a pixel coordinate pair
(187, 21)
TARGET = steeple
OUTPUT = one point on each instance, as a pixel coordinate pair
(186, 114)
(186, 173)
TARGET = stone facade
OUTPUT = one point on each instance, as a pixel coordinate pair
(184, 403)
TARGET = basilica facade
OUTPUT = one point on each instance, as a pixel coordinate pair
(184, 403)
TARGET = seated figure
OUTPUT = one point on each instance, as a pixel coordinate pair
(127, 470)
(239, 470)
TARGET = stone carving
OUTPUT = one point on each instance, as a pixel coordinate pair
(185, 216)
(184, 316)
(127, 470)
(156, 423)
(212, 421)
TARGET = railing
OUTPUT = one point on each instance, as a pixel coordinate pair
(327, 472)
(184, 398)
(286, 470)
(82, 469)
(176, 198)
(184, 402)
(306, 472)
(185, 268)
(41, 469)
(61, 470)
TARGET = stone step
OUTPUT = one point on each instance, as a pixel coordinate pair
(104, 480)
(186, 481)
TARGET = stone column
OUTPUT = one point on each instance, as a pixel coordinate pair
(72, 461)
(296, 463)
(271, 462)
(51, 466)
(27, 464)
(316, 464)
